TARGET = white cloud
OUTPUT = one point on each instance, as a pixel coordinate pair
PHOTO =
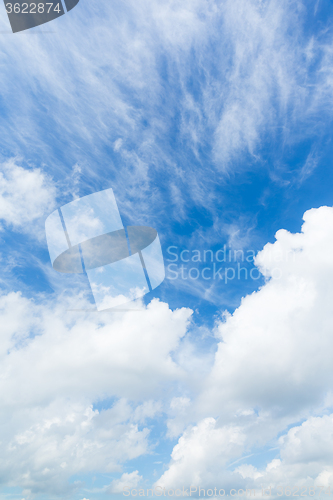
(310, 442)
(248, 471)
(117, 144)
(55, 365)
(306, 458)
(129, 480)
(201, 453)
(272, 368)
(46, 445)
(26, 195)
(275, 348)
(109, 354)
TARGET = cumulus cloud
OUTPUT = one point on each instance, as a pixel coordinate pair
(272, 368)
(26, 195)
(129, 480)
(274, 349)
(45, 446)
(98, 354)
(201, 452)
(57, 365)
(305, 458)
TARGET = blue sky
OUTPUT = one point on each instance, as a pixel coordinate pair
(211, 121)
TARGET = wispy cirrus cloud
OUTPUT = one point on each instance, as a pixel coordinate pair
(189, 90)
